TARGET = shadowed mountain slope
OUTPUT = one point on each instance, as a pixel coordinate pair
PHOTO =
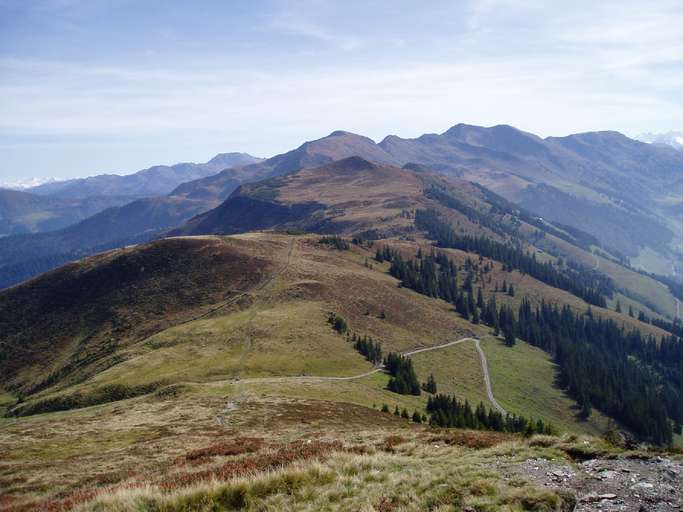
(86, 310)
(24, 256)
(349, 195)
(22, 212)
(623, 183)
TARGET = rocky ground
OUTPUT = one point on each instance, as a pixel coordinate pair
(608, 484)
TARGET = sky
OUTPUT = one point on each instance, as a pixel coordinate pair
(95, 86)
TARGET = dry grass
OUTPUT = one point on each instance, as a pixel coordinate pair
(410, 475)
(273, 454)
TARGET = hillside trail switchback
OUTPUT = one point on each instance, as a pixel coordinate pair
(232, 404)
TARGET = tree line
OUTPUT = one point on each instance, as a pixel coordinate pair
(335, 241)
(637, 381)
(448, 411)
(435, 275)
(500, 206)
(585, 284)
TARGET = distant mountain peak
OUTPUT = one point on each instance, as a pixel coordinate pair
(342, 134)
(234, 158)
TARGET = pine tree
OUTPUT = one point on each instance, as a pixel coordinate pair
(430, 385)
(417, 418)
(404, 380)
(618, 308)
(585, 411)
(509, 336)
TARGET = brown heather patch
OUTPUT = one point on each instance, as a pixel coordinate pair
(235, 447)
(471, 438)
(286, 454)
(55, 505)
(297, 451)
(6, 501)
(390, 443)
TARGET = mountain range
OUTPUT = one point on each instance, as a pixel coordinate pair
(623, 192)
(154, 181)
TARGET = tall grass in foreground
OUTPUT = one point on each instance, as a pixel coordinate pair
(437, 473)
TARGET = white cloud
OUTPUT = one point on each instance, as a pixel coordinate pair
(295, 24)
(537, 94)
(550, 70)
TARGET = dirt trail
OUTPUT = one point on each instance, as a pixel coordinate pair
(306, 378)
(262, 289)
(487, 380)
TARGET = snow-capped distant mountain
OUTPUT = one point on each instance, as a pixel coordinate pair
(673, 139)
(27, 183)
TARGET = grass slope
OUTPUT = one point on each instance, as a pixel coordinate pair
(223, 376)
(523, 379)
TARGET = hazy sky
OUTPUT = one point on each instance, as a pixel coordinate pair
(89, 86)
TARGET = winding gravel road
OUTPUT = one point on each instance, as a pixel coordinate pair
(305, 378)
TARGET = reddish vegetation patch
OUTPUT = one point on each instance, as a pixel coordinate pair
(6, 501)
(471, 438)
(282, 456)
(386, 505)
(235, 447)
(113, 477)
(295, 451)
(389, 444)
(56, 505)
